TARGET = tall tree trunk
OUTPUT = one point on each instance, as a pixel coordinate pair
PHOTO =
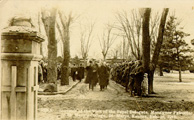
(104, 57)
(65, 65)
(146, 40)
(180, 78)
(150, 82)
(49, 24)
(161, 72)
(85, 62)
(157, 50)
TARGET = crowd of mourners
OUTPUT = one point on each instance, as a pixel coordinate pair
(97, 72)
(129, 74)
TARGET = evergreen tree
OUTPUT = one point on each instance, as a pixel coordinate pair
(175, 51)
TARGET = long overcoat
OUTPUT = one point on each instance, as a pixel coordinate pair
(103, 73)
(80, 73)
(88, 74)
(94, 79)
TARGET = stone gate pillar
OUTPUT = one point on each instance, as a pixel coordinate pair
(20, 53)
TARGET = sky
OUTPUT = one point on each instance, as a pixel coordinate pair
(99, 11)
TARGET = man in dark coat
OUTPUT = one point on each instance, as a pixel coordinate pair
(103, 73)
(89, 72)
(80, 71)
(94, 79)
(92, 75)
(73, 72)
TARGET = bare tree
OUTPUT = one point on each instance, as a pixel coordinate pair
(131, 28)
(154, 25)
(64, 32)
(114, 54)
(106, 40)
(49, 20)
(146, 39)
(149, 67)
(86, 40)
(126, 48)
(117, 51)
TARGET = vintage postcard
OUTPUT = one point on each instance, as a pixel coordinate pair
(97, 59)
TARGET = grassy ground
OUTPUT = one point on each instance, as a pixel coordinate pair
(169, 87)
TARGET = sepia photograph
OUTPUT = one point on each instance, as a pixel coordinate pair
(97, 60)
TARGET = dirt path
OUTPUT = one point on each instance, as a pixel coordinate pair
(112, 104)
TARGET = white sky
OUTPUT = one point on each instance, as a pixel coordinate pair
(100, 11)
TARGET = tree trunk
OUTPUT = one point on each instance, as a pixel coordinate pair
(180, 78)
(146, 40)
(49, 24)
(157, 50)
(85, 62)
(161, 72)
(151, 82)
(52, 55)
(65, 65)
(104, 57)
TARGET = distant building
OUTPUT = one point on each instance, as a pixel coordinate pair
(115, 60)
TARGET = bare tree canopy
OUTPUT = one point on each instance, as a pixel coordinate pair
(106, 40)
(86, 39)
(131, 29)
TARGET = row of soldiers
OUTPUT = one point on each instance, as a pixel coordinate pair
(131, 76)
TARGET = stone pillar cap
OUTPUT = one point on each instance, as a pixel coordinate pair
(22, 32)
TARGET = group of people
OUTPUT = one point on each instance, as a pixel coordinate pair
(97, 73)
(77, 72)
(42, 71)
(131, 76)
